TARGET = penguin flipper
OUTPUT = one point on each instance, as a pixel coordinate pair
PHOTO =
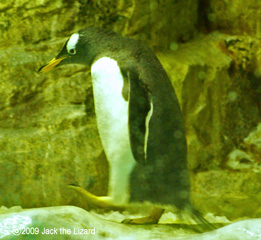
(139, 107)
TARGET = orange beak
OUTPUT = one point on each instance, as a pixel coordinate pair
(50, 65)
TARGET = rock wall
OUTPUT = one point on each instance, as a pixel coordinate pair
(48, 133)
(235, 17)
(26, 22)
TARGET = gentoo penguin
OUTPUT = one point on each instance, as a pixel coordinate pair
(139, 122)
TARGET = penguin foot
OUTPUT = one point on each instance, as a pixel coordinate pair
(153, 218)
(97, 201)
(140, 221)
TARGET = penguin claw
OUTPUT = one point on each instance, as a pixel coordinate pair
(127, 221)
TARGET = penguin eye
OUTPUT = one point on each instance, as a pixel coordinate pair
(72, 51)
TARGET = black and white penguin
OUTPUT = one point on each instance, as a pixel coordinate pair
(139, 122)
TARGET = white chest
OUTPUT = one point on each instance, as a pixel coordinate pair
(107, 87)
(110, 107)
(112, 121)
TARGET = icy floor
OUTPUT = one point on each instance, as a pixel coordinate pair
(167, 217)
(68, 222)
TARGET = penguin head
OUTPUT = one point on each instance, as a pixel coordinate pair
(81, 48)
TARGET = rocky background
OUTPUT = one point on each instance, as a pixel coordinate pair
(48, 134)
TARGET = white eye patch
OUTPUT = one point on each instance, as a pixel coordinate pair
(71, 44)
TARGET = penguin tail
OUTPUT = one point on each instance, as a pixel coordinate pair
(203, 223)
